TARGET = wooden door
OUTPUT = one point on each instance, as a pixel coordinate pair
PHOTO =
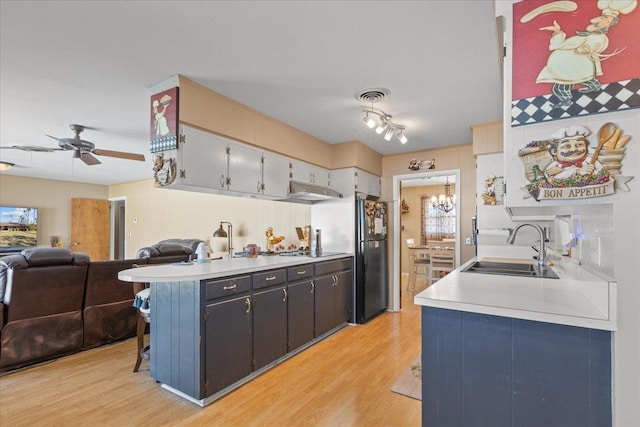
(90, 228)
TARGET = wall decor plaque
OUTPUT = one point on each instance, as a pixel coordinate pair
(574, 58)
(567, 166)
(164, 121)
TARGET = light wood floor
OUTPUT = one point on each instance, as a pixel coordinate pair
(344, 380)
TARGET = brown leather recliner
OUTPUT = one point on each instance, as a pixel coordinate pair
(42, 292)
(109, 314)
(165, 253)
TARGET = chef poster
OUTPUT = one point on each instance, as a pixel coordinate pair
(574, 58)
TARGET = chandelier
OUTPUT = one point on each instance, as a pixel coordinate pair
(384, 124)
(445, 202)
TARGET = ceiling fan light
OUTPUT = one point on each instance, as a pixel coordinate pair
(402, 138)
(5, 166)
(389, 134)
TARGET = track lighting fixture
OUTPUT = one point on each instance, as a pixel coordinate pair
(385, 124)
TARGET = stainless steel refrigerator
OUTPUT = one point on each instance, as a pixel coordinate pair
(371, 276)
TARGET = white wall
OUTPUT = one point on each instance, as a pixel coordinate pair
(610, 225)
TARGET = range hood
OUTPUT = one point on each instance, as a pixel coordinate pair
(308, 193)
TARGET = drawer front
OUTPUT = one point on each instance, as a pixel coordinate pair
(227, 287)
(299, 272)
(327, 267)
(269, 278)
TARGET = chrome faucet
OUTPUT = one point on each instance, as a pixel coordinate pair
(542, 255)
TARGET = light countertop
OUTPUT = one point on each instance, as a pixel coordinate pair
(577, 298)
(216, 268)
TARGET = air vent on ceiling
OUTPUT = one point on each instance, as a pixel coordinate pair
(371, 96)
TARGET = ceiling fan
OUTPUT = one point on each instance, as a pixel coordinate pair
(83, 150)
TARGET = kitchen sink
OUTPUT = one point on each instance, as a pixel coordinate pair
(510, 269)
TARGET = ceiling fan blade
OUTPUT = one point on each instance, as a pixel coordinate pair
(119, 154)
(33, 148)
(89, 159)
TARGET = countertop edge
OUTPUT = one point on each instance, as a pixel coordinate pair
(608, 323)
(217, 268)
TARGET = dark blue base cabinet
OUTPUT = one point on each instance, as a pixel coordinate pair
(482, 370)
(208, 337)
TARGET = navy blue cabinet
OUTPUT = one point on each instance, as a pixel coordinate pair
(482, 370)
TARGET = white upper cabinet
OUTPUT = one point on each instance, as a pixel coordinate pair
(308, 173)
(275, 175)
(202, 160)
(348, 181)
(245, 169)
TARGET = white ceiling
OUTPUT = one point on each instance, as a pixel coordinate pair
(301, 62)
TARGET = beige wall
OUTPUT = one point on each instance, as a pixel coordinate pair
(53, 200)
(447, 158)
(208, 110)
(153, 214)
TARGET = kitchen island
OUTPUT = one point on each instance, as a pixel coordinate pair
(511, 351)
(217, 325)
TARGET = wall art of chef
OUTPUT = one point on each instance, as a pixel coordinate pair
(568, 166)
(164, 120)
(574, 58)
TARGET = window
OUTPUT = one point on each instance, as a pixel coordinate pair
(436, 223)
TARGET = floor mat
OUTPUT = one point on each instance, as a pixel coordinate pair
(410, 382)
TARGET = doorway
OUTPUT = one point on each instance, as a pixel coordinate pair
(398, 180)
(117, 228)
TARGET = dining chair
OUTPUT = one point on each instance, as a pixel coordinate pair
(418, 265)
(442, 261)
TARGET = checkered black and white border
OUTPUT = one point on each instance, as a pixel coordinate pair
(615, 96)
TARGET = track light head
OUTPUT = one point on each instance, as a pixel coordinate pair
(369, 122)
(383, 125)
(389, 134)
(402, 138)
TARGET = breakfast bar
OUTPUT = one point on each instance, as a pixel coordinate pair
(216, 325)
(501, 350)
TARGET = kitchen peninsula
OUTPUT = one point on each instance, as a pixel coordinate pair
(217, 325)
(501, 350)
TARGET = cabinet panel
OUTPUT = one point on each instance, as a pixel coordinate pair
(228, 343)
(245, 169)
(497, 371)
(299, 272)
(275, 175)
(300, 313)
(367, 183)
(308, 173)
(269, 278)
(203, 158)
(269, 326)
(227, 287)
(323, 308)
(342, 298)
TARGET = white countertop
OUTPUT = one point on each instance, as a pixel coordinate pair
(577, 298)
(215, 268)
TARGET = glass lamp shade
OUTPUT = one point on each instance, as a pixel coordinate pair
(369, 122)
(381, 128)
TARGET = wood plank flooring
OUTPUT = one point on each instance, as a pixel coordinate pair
(344, 380)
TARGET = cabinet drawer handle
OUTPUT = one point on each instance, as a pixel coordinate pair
(268, 279)
(229, 288)
(248, 302)
(284, 291)
(302, 272)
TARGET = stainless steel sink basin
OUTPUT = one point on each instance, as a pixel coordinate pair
(510, 269)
